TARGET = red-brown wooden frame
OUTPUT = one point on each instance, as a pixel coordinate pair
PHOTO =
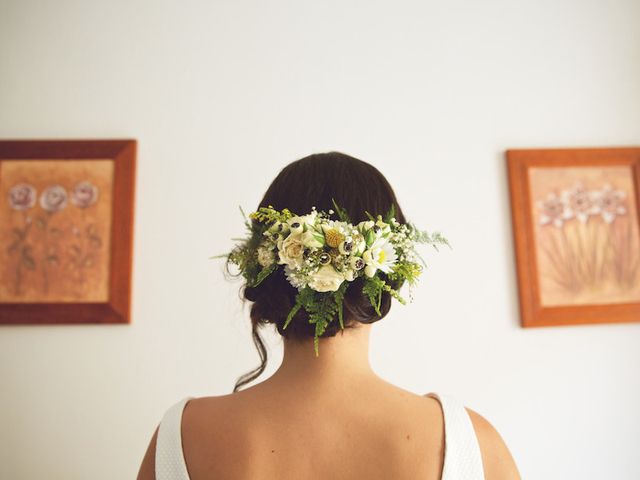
(117, 308)
(532, 314)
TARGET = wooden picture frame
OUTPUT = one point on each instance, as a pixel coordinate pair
(575, 264)
(67, 234)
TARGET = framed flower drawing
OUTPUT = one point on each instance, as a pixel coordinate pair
(66, 230)
(575, 215)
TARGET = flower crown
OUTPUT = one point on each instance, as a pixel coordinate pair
(321, 257)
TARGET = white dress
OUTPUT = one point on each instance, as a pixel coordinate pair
(462, 460)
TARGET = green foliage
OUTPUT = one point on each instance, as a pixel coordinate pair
(390, 214)
(373, 288)
(247, 223)
(270, 215)
(322, 307)
(393, 292)
(369, 237)
(304, 298)
(338, 298)
(434, 239)
(341, 212)
(244, 254)
(409, 271)
(264, 273)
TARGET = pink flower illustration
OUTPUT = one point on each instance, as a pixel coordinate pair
(22, 196)
(54, 198)
(610, 203)
(553, 210)
(580, 203)
(84, 194)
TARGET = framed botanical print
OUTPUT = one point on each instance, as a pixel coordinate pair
(66, 230)
(575, 215)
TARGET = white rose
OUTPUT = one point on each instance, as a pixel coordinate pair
(327, 279)
(265, 256)
(291, 249)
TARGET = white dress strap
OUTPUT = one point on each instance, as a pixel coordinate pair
(170, 463)
(462, 458)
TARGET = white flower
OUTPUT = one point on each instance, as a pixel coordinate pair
(381, 256)
(296, 224)
(22, 196)
(610, 202)
(294, 278)
(360, 243)
(579, 203)
(54, 198)
(291, 249)
(354, 264)
(385, 228)
(346, 247)
(312, 239)
(310, 218)
(364, 226)
(266, 257)
(279, 228)
(84, 194)
(369, 271)
(553, 210)
(326, 279)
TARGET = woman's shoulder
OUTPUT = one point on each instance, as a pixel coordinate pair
(496, 458)
(173, 419)
(214, 417)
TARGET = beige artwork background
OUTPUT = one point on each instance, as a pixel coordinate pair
(60, 256)
(585, 254)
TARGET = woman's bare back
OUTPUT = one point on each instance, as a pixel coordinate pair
(376, 432)
(371, 430)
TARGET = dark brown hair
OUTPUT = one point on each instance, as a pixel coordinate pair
(314, 181)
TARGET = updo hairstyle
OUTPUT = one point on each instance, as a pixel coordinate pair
(314, 181)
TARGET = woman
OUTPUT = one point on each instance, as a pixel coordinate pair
(324, 415)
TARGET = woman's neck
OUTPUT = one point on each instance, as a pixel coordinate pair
(342, 359)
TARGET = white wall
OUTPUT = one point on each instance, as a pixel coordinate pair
(223, 94)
